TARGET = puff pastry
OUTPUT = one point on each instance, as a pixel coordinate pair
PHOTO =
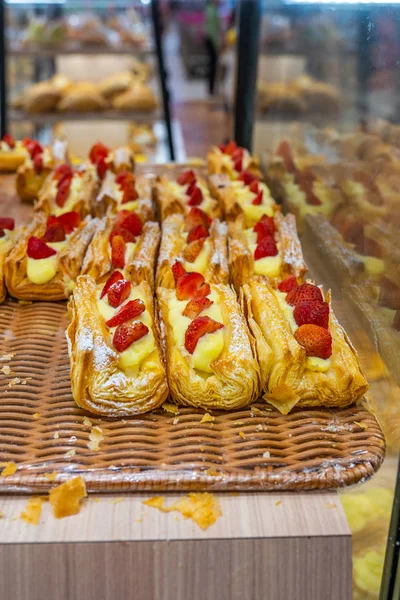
(123, 242)
(82, 97)
(47, 258)
(210, 359)
(124, 191)
(8, 237)
(230, 159)
(270, 248)
(181, 195)
(67, 190)
(109, 377)
(198, 242)
(12, 154)
(139, 96)
(296, 376)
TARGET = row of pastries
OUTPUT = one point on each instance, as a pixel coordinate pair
(191, 287)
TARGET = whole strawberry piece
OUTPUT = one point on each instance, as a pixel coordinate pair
(192, 285)
(127, 333)
(186, 178)
(195, 306)
(196, 197)
(38, 163)
(129, 311)
(114, 277)
(253, 187)
(197, 233)
(288, 284)
(9, 140)
(38, 249)
(229, 148)
(264, 228)
(118, 252)
(267, 247)
(195, 217)
(125, 177)
(130, 221)
(178, 271)
(129, 194)
(305, 291)
(55, 232)
(98, 151)
(312, 312)
(62, 171)
(62, 194)
(197, 328)
(7, 223)
(69, 220)
(192, 250)
(119, 292)
(316, 340)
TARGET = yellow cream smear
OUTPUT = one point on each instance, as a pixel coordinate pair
(210, 345)
(65, 498)
(74, 196)
(5, 237)
(33, 511)
(47, 157)
(269, 265)
(201, 262)
(244, 197)
(129, 252)
(375, 266)
(203, 508)
(139, 355)
(42, 270)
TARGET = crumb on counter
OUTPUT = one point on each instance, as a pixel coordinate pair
(66, 498)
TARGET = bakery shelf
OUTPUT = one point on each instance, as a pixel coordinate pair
(81, 50)
(112, 115)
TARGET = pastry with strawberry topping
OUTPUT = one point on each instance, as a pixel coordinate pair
(210, 360)
(180, 196)
(271, 247)
(116, 160)
(123, 190)
(117, 364)
(199, 242)
(232, 160)
(8, 237)
(305, 355)
(48, 255)
(124, 242)
(12, 153)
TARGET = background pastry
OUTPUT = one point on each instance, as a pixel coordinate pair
(124, 191)
(230, 159)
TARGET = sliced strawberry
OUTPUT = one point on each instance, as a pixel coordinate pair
(98, 151)
(195, 217)
(195, 306)
(305, 291)
(285, 152)
(317, 341)
(253, 187)
(197, 329)
(129, 194)
(101, 167)
(119, 292)
(312, 312)
(238, 153)
(62, 195)
(69, 220)
(192, 250)
(192, 285)
(196, 197)
(118, 252)
(55, 232)
(7, 223)
(38, 163)
(61, 171)
(2, 232)
(186, 177)
(178, 271)
(238, 164)
(129, 311)
(125, 177)
(258, 199)
(247, 177)
(33, 147)
(267, 247)
(130, 221)
(305, 179)
(190, 188)
(197, 233)
(230, 147)
(264, 228)
(114, 277)
(9, 140)
(128, 333)
(288, 284)
(38, 249)
(126, 235)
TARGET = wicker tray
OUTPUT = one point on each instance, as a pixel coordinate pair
(254, 448)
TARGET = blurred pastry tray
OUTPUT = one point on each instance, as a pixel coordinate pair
(257, 448)
(50, 118)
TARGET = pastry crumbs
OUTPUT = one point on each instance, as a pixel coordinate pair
(212, 472)
(51, 476)
(202, 507)
(95, 437)
(14, 381)
(330, 505)
(267, 454)
(361, 424)
(7, 357)
(242, 435)
(66, 498)
(36, 415)
(70, 453)
(171, 408)
(207, 418)
(175, 421)
(139, 520)
(6, 370)
(118, 500)
(33, 511)
(278, 503)
(9, 469)
(56, 435)
(87, 422)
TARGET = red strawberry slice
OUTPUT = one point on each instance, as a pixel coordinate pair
(253, 187)
(192, 250)
(192, 285)
(258, 199)
(247, 177)
(129, 311)
(118, 252)
(305, 291)
(305, 179)
(119, 292)
(61, 171)
(197, 233)
(33, 147)
(126, 235)
(178, 271)
(7, 223)
(124, 177)
(55, 232)
(98, 151)
(9, 140)
(63, 193)
(196, 197)
(130, 221)
(288, 284)
(317, 341)
(264, 228)
(114, 277)
(195, 306)
(101, 167)
(38, 249)
(2, 232)
(38, 163)
(230, 147)
(128, 333)
(129, 194)
(312, 312)
(186, 177)
(267, 247)
(285, 152)
(69, 220)
(195, 217)
(238, 164)
(197, 329)
(190, 188)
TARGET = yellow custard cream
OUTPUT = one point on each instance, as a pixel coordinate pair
(209, 346)
(129, 252)
(244, 197)
(297, 197)
(5, 237)
(201, 262)
(269, 265)
(42, 270)
(138, 354)
(374, 266)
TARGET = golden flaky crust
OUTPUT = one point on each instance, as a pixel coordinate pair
(5, 248)
(98, 264)
(218, 162)
(82, 205)
(173, 243)
(109, 197)
(241, 259)
(170, 199)
(28, 181)
(236, 378)
(69, 262)
(289, 383)
(98, 384)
